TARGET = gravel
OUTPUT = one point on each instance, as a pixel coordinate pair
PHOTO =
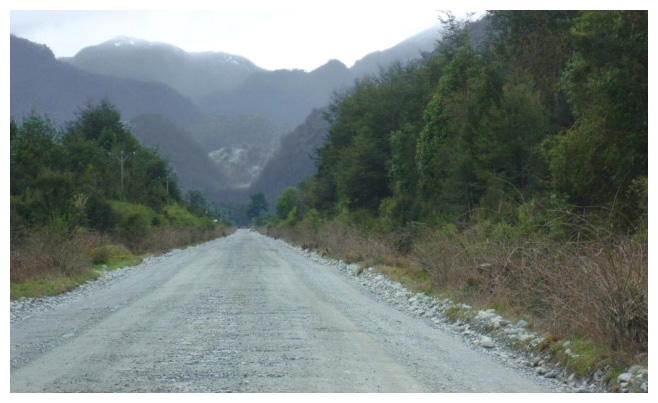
(249, 313)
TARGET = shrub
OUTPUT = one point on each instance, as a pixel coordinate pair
(134, 222)
(100, 215)
(46, 254)
(593, 288)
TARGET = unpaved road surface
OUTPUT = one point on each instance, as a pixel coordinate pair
(244, 314)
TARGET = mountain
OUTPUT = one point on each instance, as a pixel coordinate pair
(41, 83)
(239, 145)
(293, 160)
(288, 96)
(188, 158)
(193, 74)
(223, 130)
(405, 51)
(284, 96)
(221, 83)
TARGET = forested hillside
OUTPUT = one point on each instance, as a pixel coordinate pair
(554, 109)
(91, 193)
(189, 160)
(512, 174)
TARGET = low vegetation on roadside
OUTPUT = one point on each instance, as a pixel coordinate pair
(89, 198)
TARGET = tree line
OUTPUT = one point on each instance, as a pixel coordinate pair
(87, 175)
(548, 114)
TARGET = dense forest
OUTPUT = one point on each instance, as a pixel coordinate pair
(512, 172)
(552, 111)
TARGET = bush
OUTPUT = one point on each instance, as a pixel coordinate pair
(100, 215)
(134, 222)
(108, 253)
(180, 217)
(594, 288)
(46, 254)
(135, 227)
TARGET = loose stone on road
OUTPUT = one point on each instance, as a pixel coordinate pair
(244, 313)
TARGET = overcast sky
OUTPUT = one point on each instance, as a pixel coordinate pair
(272, 34)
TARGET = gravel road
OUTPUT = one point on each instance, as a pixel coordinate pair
(244, 313)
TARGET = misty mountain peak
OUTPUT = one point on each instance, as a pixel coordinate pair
(334, 65)
(128, 41)
(193, 74)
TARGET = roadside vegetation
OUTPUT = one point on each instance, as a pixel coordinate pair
(511, 174)
(89, 197)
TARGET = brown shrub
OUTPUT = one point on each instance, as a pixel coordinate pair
(595, 289)
(166, 239)
(599, 289)
(43, 255)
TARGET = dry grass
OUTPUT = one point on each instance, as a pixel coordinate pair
(345, 242)
(45, 258)
(45, 255)
(598, 289)
(166, 239)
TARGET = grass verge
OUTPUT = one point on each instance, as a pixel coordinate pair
(44, 264)
(51, 286)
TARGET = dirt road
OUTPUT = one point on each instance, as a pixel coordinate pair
(243, 314)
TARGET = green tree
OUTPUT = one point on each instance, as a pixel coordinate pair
(102, 123)
(538, 43)
(354, 163)
(196, 202)
(68, 177)
(510, 135)
(606, 82)
(257, 208)
(362, 178)
(443, 153)
(32, 150)
(402, 207)
(289, 202)
(100, 215)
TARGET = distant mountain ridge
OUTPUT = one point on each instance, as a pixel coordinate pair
(193, 74)
(41, 83)
(221, 83)
(284, 96)
(404, 51)
(293, 160)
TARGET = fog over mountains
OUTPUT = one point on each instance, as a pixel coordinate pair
(194, 75)
(229, 127)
